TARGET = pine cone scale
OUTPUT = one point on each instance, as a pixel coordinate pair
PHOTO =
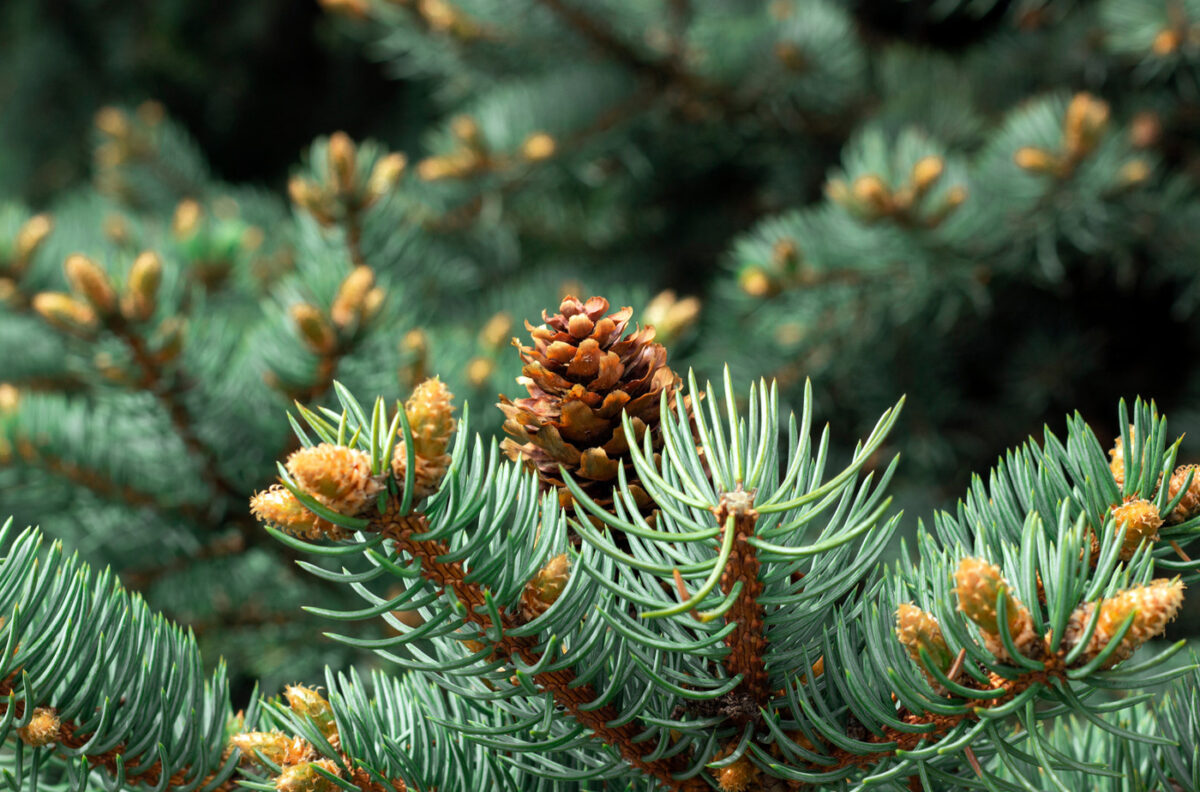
(582, 373)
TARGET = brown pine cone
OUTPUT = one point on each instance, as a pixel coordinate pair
(581, 375)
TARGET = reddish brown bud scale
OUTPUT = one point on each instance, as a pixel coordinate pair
(582, 373)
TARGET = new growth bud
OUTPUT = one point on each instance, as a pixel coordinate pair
(538, 146)
(919, 630)
(273, 746)
(141, 288)
(314, 328)
(64, 311)
(430, 413)
(44, 728)
(29, 238)
(980, 586)
(546, 586)
(1035, 160)
(385, 176)
(339, 477)
(1153, 607)
(926, 172)
(304, 777)
(1140, 520)
(343, 161)
(279, 507)
(187, 218)
(1084, 125)
(308, 703)
(1189, 505)
(87, 279)
(351, 297)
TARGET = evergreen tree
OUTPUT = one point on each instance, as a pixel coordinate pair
(662, 585)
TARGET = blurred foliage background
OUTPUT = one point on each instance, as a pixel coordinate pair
(990, 206)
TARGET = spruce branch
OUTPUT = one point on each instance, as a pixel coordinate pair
(576, 699)
(747, 642)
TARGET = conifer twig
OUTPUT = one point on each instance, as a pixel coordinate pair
(451, 576)
(69, 737)
(747, 643)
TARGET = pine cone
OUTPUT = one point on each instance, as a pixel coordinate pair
(581, 375)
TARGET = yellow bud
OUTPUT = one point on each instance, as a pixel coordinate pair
(979, 586)
(352, 294)
(546, 587)
(87, 279)
(670, 316)
(538, 146)
(955, 197)
(1117, 452)
(8, 290)
(1154, 606)
(314, 328)
(43, 728)
(415, 341)
(755, 282)
(445, 18)
(479, 370)
(449, 166)
(1189, 505)
(927, 171)
(1140, 520)
(1035, 160)
(338, 477)
(279, 507)
(1083, 125)
(342, 162)
(301, 191)
(272, 745)
(1133, 172)
(107, 156)
(29, 238)
(837, 191)
(64, 311)
(112, 122)
(304, 778)
(385, 176)
(309, 703)
(496, 331)
(430, 411)
(872, 195)
(372, 303)
(919, 630)
(466, 129)
(187, 218)
(739, 776)
(10, 398)
(1166, 42)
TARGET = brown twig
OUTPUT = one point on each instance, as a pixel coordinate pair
(450, 576)
(942, 724)
(70, 738)
(168, 395)
(747, 643)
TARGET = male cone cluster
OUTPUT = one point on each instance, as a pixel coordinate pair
(582, 373)
(340, 478)
(298, 761)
